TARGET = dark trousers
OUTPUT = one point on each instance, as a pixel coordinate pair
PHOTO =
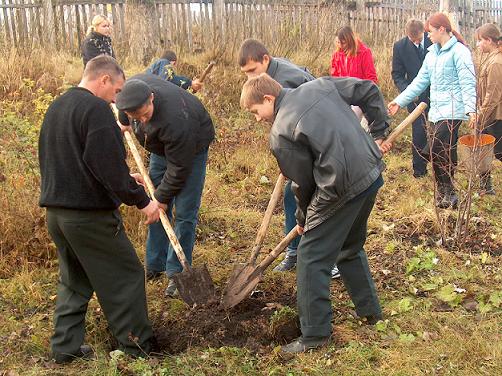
(95, 255)
(495, 129)
(444, 136)
(419, 140)
(339, 239)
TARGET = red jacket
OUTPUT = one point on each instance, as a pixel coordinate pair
(359, 66)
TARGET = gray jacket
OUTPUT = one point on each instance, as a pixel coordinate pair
(320, 145)
(289, 75)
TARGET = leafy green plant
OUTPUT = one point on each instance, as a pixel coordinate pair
(449, 295)
(424, 260)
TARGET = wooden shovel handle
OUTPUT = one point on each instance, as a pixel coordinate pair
(407, 121)
(274, 198)
(207, 70)
(278, 249)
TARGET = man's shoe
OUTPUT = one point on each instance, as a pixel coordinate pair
(85, 352)
(486, 187)
(305, 344)
(171, 290)
(288, 263)
(152, 275)
(446, 197)
(335, 273)
(373, 319)
(419, 175)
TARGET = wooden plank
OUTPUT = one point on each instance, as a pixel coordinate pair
(8, 35)
(189, 25)
(171, 25)
(61, 18)
(115, 22)
(78, 26)
(121, 14)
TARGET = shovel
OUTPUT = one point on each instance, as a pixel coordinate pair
(244, 279)
(195, 285)
(242, 284)
(239, 273)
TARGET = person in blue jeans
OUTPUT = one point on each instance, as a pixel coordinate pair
(254, 59)
(177, 130)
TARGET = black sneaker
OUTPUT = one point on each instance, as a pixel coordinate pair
(85, 352)
(152, 275)
(305, 344)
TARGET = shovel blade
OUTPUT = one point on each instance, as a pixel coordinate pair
(242, 282)
(195, 286)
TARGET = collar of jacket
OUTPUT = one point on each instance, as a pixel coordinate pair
(272, 67)
(436, 47)
(278, 100)
(95, 34)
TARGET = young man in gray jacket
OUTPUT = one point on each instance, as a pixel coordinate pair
(335, 168)
(254, 59)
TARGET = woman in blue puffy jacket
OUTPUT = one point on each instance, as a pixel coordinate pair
(449, 70)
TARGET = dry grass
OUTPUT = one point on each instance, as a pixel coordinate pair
(457, 341)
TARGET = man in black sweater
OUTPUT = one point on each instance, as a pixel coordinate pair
(84, 180)
(176, 129)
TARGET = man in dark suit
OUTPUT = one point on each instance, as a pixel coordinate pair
(407, 58)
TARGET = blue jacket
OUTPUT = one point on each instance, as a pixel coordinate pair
(165, 70)
(450, 73)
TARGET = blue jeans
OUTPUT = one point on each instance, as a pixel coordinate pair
(160, 254)
(290, 223)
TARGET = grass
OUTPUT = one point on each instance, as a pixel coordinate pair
(431, 325)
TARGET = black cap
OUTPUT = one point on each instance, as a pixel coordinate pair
(133, 95)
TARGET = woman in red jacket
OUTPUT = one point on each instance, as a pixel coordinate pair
(352, 58)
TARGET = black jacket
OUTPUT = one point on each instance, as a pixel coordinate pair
(288, 74)
(320, 145)
(406, 62)
(179, 129)
(96, 44)
(82, 156)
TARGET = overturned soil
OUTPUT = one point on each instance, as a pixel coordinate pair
(246, 325)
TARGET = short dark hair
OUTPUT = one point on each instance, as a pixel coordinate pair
(169, 55)
(101, 65)
(252, 49)
(414, 27)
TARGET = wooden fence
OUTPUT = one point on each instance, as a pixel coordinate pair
(194, 25)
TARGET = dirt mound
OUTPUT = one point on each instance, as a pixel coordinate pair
(255, 323)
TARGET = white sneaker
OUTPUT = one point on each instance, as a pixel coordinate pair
(335, 273)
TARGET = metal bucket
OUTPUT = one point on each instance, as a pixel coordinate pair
(477, 157)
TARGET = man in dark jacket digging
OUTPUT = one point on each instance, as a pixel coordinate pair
(176, 129)
(84, 179)
(336, 169)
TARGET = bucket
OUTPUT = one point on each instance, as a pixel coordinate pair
(478, 157)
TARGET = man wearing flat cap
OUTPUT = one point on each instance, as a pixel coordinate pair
(176, 129)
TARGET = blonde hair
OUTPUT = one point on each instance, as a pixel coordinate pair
(256, 88)
(96, 21)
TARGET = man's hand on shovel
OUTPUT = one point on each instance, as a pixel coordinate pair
(152, 212)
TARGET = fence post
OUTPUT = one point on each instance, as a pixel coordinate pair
(48, 22)
(450, 7)
(218, 14)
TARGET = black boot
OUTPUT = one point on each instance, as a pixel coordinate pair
(486, 187)
(447, 197)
